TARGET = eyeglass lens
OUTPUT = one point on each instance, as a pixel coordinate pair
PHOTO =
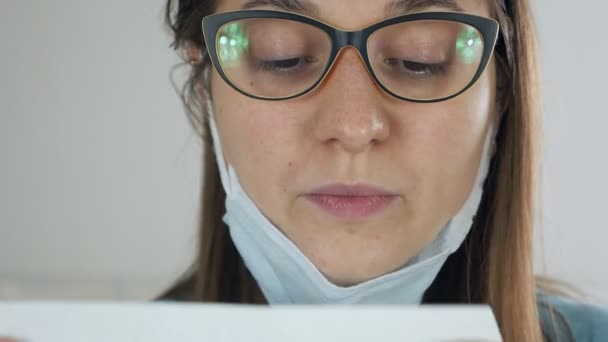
(420, 60)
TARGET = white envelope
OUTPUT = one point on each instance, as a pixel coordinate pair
(170, 321)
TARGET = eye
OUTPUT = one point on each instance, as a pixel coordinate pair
(287, 65)
(416, 69)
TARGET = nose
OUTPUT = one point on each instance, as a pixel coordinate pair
(351, 112)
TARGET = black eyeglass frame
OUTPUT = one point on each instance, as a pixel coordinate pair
(489, 29)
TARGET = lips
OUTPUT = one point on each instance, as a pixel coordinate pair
(351, 202)
(351, 190)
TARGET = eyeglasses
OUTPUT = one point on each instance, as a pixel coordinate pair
(419, 57)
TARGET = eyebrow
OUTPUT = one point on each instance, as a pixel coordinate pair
(393, 7)
(300, 6)
(404, 6)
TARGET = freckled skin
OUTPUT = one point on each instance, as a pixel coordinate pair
(348, 130)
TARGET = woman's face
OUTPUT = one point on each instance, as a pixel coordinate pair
(349, 131)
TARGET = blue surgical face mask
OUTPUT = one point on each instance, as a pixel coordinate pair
(286, 276)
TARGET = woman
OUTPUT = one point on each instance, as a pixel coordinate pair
(391, 164)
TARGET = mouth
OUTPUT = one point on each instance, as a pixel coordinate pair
(351, 202)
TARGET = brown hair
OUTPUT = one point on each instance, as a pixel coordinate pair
(493, 265)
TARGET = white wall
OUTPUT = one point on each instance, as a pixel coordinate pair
(99, 168)
(574, 55)
(99, 178)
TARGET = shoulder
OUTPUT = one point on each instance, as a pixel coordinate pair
(581, 321)
(181, 291)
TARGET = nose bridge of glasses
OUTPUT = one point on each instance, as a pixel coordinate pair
(350, 38)
(353, 39)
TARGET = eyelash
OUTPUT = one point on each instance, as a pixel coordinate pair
(427, 69)
(279, 65)
(294, 65)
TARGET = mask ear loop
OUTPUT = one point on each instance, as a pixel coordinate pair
(206, 73)
(223, 166)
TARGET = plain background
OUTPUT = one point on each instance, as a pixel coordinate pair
(99, 175)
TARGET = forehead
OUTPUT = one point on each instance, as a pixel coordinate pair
(354, 14)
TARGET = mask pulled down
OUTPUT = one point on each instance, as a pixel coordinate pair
(286, 276)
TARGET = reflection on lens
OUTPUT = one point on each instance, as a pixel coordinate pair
(233, 43)
(426, 59)
(469, 45)
(272, 57)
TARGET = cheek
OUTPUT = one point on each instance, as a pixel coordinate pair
(259, 141)
(256, 139)
(457, 143)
